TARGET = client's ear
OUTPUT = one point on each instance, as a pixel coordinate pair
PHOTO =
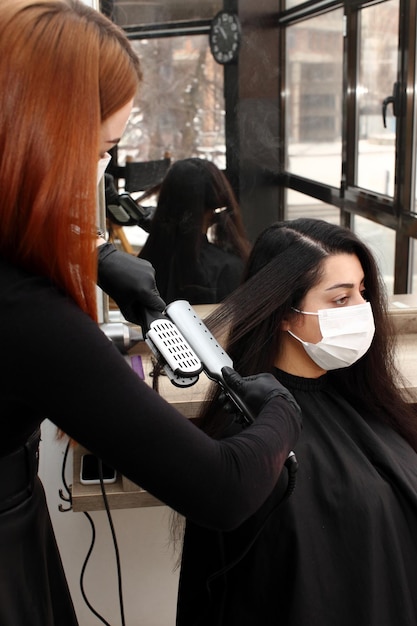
(285, 324)
(289, 320)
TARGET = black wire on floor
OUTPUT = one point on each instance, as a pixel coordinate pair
(116, 547)
(67, 497)
(90, 550)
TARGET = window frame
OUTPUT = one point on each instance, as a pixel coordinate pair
(397, 212)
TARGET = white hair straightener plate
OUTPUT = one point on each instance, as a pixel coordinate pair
(185, 347)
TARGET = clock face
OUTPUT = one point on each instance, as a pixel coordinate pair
(225, 37)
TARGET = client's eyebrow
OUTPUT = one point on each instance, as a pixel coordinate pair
(344, 285)
(341, 286)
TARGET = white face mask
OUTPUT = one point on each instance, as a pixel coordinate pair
(102, 165)
(347, 334)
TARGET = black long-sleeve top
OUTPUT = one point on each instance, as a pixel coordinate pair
(56, 363)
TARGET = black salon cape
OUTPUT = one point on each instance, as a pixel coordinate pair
(341, 551)
(57, 364)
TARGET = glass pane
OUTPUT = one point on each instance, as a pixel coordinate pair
(300, 205)
(179, 110)
(313, 106)
(378, 36)
(292, 3)
(135, 12)
(381, 240)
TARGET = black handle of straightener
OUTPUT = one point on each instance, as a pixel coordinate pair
(149, 316)
(248, 417)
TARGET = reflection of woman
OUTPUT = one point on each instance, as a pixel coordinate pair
(195, 196)
(342, 550)
(67, 82)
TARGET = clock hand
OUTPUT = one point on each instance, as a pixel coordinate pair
(223, 32)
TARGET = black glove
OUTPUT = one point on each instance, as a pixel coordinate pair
(130, 281)
(255, 391)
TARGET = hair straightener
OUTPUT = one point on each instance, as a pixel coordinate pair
(185, 347)
(123, 209)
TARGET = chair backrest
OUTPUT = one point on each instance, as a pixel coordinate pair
(140, 176)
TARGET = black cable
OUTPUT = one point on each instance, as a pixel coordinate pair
(68, 498)
(90, 550)
(64, 466)
(116, 547)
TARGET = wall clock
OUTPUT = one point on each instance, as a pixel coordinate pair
(224, 37)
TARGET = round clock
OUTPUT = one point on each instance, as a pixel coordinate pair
(224, 37)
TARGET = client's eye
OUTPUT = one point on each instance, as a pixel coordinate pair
(342, 300)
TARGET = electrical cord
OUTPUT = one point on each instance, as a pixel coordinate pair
(67, 497)
(115, 544)
(87, 558)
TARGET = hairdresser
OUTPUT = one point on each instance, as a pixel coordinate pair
(68, 77)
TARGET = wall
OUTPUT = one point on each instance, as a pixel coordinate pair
(147, 557)
(257, 112)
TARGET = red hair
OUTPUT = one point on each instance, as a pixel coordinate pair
(64, 69)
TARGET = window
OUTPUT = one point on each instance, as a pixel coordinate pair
(350, 137)
(179, 110)
(314, 90)
(378, 36)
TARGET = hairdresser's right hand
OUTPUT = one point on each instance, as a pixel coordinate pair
(130, 281)
(256, 391)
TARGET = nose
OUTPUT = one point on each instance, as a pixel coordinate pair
(359, 299)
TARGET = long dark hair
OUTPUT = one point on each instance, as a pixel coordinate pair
(192, 190)
(285, 263)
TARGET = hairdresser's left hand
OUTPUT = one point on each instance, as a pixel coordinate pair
(130, 281)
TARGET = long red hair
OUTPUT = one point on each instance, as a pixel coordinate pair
(64, 69)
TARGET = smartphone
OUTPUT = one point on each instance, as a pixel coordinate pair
(89, 472)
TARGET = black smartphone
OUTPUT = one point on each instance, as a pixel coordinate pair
(89, 472)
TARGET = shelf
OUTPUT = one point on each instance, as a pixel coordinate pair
(122, 494)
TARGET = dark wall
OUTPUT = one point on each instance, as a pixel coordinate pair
(252, 104)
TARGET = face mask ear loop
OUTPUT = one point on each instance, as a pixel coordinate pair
(295, 337)
(303, 312)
